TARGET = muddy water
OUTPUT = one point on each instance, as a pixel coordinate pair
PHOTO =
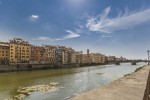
(72, 81)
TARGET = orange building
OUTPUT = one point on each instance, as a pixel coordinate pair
(37, 55)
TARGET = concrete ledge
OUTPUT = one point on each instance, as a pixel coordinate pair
(130, 87)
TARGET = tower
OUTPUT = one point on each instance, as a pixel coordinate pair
(88, 52)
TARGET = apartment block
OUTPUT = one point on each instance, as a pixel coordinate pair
(50, 51)
(79, 56)
(4, 52)
(37, 55)
(86, 58)
(19, 51)
(103, 58)
(97, 58)
(59, 55)
(111, 58)
(65, 55)
(73, 57)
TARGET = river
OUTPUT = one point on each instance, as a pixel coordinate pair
(72, 81)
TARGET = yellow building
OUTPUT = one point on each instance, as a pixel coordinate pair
(97, 58)
(19, 51)
(4, 53)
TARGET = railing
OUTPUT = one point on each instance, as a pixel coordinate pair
(147, 91)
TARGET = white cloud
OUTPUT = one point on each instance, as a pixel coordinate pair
(68, 36)
(42, 38)
(102, 23)
(34, 17)
(106, 36)
(71, 34)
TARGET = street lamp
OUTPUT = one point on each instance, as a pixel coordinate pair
(148, 55)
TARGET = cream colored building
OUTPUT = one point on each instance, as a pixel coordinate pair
(79, 56)
(102, 58)
(19, 51)
(65, 56)
(73, 58)
(111, 58)
(72, 54)
(51, 53)
(4, 53)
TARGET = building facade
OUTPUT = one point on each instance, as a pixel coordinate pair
(86, 58)
(111, 58)
(19, 51)
(37, 55)
(98, 58)
(50, 51)
(4, 52)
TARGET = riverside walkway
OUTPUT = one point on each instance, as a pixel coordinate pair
(130, 87)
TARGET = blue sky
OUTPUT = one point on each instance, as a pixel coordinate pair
(112, 27)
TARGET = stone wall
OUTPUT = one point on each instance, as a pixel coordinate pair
(147, 91)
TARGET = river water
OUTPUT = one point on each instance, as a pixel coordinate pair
(72, 81)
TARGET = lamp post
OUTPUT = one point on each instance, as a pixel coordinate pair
(148, 55)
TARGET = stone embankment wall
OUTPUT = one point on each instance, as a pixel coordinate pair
(25, 67)
(147, 90)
